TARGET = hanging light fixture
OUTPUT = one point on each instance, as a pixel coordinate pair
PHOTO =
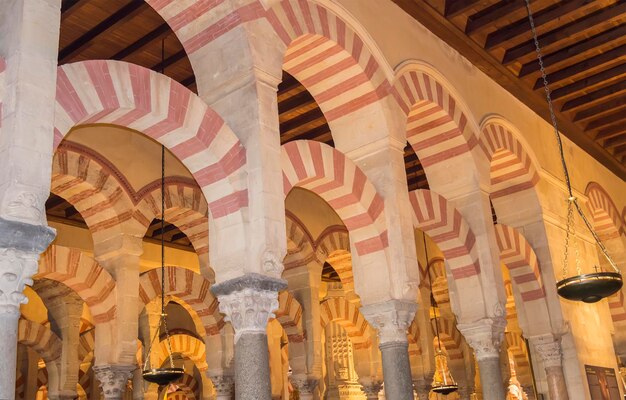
(163, 375)
(443, 383)
(586, 287)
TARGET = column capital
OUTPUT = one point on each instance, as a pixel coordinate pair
(304, 384)
(371, 387)
(484, 336)
(249, 302)
(549, 349)
(391, 319)
(113, 379)
(16, 270)
(224, 384)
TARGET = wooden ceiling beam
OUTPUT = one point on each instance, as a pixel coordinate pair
(608, 133)
(520, 27)
(167, 228)
(590, 81)
(69, 7)
(584, 65)
(158, 33)
(575, 27)
(123, 14)
(600, 109)
(608, 91)
(301, 119)
(601, 39)
(491, 14)
(158, 67)
(456, 7)
(301, 99)
(188, 81)
(615, 141)
(610, 119)
(428, 16)
(312, 134)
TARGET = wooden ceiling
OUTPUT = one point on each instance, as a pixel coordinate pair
(584, 47)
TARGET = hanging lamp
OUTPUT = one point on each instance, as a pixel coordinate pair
(163, 375)
(585, 287)
(443, 382)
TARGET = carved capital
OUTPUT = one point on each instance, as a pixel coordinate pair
(249, 310)
(113, 379)
(304, 384)
(549, 349)
(371, 387)
(484, 336)
(224, 384)
(16, 270)
(249, 302)
(391, 319)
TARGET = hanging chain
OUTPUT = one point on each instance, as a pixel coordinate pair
(572, 200)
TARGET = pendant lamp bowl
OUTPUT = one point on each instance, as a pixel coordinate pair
(163, 376)
(445, 389)
(589, 288)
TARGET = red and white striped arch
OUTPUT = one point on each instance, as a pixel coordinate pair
(439, 127)
(450, 336)
(45, 342)
(348, 316)
(413, 337)
(331, 175)
(289, 314)
(186, 345)
(190, 387)
(83, 274)
(605, 215)
(617, 306)
(328, 57)
(300, 246)
(128, 95)
(521, 261)
(190, 288)
(93, 188)
(511, 167)
(185, 208)
(448, 229)
(333, 246)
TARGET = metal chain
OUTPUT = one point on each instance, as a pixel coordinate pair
(572, 200)
(433, 303)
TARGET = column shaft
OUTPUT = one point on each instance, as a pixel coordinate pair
(252, 372)
(397, 371)
(491, 378)
(8, 350)
(556, 383)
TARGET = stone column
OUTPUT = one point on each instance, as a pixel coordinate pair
(113, 379)
(248, 302)
(549, 349)
(138, 385)
(306, 387)
(485, 337)
(371, 388)
(392, 319)
(224, 387)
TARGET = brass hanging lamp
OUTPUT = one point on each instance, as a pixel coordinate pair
(585, 287)
(443, 382)
(162, 375)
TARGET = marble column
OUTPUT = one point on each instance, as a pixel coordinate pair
(485, 338)
(392, 319)
(305, 386)
(248, 302)
(549, 350)
(113, 379)
(371, 388)
(224, 387)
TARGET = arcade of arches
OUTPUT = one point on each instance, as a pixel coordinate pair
(305, 232)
